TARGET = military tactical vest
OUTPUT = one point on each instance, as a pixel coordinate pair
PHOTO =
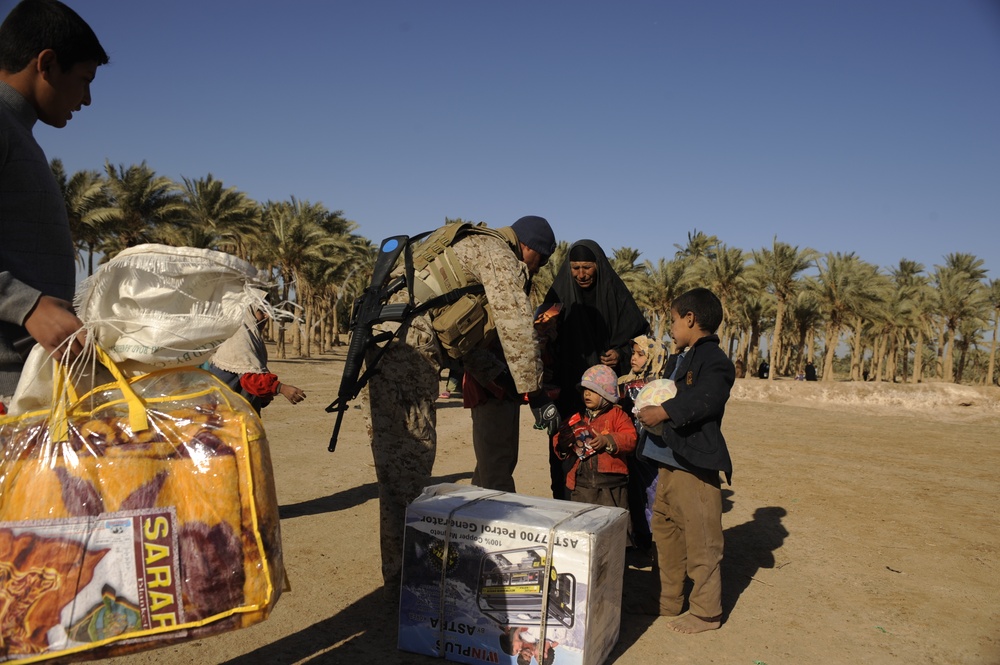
(467, 323)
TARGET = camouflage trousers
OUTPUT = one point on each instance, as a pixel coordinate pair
(401, 398)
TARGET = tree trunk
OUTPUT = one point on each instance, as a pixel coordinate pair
(940, 352)
(336, 324)
(832, 337)
(743, 351)
(891, 362)
(918, 358)
(904, 345)
(993, 349)
(949, 356)
(878, 349)
(281, 326)
(774, 348)
(963, 354)
(308, 329)
(753, 352)
(857, 352)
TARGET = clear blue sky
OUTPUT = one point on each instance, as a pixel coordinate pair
(870, 126)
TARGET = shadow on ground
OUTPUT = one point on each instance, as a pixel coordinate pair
(363, 633)
(749, 548)
(349, 498)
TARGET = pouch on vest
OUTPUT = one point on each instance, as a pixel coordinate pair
(465, 325)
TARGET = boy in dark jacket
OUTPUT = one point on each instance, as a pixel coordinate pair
(687, 511)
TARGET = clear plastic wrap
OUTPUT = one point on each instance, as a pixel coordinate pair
(141, 514)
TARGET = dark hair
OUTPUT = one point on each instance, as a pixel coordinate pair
(35, 25)
(705, 305)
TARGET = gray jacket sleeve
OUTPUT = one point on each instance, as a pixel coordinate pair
(16, 299)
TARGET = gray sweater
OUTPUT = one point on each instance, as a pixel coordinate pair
(36, 251)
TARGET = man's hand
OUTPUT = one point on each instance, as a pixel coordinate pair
(609, 358)
(291, 393)
(51, 322)
(547, 418)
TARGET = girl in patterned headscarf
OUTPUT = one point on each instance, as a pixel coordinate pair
(649, 357)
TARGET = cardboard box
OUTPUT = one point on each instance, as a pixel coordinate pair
(496, 577)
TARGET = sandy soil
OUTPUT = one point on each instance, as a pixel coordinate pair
(861, 527)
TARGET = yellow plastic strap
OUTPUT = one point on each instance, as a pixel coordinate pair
(63, 393)
(137, 419)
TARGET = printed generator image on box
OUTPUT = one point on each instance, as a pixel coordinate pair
(498, 577)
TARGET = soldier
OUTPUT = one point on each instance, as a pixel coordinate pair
(401, 394)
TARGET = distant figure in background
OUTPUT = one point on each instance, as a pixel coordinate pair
(763, 370)
(241, 363)
(810, 371)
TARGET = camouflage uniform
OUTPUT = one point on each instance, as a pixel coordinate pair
(402, 393)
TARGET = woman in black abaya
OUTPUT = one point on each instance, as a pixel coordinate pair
(598, 320)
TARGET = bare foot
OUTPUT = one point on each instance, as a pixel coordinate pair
(690, 624)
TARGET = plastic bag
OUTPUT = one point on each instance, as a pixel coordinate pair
(141, 514)
(152, 306)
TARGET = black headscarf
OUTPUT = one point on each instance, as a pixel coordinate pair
(592, 320)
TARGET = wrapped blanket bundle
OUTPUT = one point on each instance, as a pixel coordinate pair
(141, 514)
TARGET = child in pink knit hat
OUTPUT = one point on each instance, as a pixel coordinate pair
(600, 438)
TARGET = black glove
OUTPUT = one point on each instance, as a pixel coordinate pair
(547, 418)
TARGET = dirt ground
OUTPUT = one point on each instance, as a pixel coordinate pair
(861, 527)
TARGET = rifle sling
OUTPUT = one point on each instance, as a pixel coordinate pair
(405, 315)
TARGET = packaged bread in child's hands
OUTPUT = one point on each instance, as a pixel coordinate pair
(655, 393)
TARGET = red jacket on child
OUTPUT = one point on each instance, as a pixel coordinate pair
(615, 422)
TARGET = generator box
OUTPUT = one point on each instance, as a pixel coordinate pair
(498, 577)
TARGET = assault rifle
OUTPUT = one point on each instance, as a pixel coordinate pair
(371, 308)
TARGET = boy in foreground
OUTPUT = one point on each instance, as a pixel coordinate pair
(687, 510)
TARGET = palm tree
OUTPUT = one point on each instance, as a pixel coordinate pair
(83, 193)
(841, 290)
(909, 308)
(542, 282)
(342, 256)
(142, 207)
(217, 217)
(291, 234)
(779, 267)
(699, 246)
(624, 261)
(993, 297)
(665, 280)
(970, 334)
(958, 284)
(869, 295)
(727, 276)
(806, 318)
(357, 280)
(753, 314)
